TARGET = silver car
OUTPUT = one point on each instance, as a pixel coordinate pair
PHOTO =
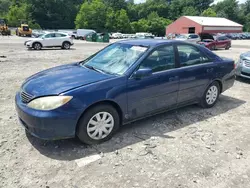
(243, 66)
(191, 38)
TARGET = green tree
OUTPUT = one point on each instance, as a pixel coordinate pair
(157, 24)
(110, 20)
(209, 13)
(17, 13)
(189, 11)
(92, 15)
(247, 21)
(4, 7)
(122, 21)
(116, 4)
(228, 9)
(140, 26)
(56, 14)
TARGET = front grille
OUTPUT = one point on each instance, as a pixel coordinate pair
(26, 97)
(247, 63)
(246, 74)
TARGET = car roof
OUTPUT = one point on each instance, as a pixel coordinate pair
(148, 42)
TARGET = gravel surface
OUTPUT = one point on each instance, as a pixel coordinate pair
(186, 148)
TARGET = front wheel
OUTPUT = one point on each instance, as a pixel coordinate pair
(37, 46)
(211, 95)
(66, 46)
(98, 124)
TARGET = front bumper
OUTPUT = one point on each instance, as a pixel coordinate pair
(47, 125)
(243, 71)
(28, 44)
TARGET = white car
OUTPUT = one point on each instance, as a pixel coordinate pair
(49, 40)
(191, 38)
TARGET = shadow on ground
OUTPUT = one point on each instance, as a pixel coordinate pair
(156, 126)
(51, 49)
(244, 80)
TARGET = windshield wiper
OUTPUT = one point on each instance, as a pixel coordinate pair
(93, 68)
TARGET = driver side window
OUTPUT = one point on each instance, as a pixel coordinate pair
(159, 60)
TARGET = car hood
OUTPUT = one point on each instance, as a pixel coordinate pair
(245, 55)
(60, 79)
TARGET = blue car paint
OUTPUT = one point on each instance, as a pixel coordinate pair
(133, 98)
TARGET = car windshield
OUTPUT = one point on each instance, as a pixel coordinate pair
(115, 59)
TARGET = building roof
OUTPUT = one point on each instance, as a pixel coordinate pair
(213, 21)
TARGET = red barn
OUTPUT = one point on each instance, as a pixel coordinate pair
(198, 25)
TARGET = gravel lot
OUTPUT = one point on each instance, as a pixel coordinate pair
(187, 148)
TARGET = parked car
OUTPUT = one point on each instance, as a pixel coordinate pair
(82, 33)
(49, 40)
(191, 38)
(218, 42)
(243, 66)
(125, 81)
(117, 36)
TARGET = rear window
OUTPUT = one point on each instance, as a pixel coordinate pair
(222, 38)
(60, 35)
(193, 36)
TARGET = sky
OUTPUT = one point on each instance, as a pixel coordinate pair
(141, 1)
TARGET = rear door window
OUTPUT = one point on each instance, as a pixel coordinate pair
(190, 55)
(193, 36)
(60, 35)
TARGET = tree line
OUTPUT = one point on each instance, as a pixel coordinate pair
(118, 15)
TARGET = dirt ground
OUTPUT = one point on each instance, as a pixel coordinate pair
(186, 148)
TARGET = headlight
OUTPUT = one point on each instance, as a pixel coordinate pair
(49, 103)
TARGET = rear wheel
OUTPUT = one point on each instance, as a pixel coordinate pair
(37, 46)
(98, 124)
(211, 95)
(213, 47)
(66, 46)
(227, 47)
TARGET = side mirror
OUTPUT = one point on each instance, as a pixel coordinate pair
(43, 38)
(141, 73)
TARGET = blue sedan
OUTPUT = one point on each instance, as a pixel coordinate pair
(125, 81)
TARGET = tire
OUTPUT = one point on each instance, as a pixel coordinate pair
(89, 133)
(209, 100)
(66, 45)
(37, 46)
(227, 47)
(213, 48)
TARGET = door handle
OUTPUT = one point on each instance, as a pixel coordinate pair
(175, 78)
(210, 70)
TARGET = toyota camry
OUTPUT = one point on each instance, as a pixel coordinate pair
(123, 82)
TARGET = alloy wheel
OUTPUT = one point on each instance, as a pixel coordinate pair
(66, 46)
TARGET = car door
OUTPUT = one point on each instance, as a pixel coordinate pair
(59, 39)
(157, 91)
(195, 72)
(49, 40)
(220, 42)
